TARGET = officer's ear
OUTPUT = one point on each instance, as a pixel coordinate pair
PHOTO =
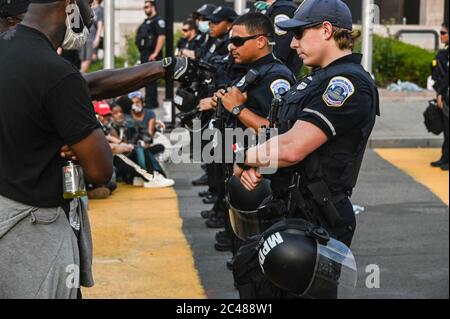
(261, 42)
(327, 30)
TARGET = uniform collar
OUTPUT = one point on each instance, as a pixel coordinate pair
(355, 58)
(270, 58)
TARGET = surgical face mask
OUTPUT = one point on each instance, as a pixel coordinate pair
(137, 108)
(74, 40)
(203, 26)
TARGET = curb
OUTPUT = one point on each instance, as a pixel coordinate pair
(405, 142)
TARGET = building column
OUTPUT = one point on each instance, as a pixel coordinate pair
(432, 12)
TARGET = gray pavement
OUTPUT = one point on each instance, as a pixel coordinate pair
(401, 125)
(404, 231)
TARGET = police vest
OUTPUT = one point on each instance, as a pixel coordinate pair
(276, 68)
(322, 165)
(216, 48)
(281, 4)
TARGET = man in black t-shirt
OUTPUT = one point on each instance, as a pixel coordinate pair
(45, 103)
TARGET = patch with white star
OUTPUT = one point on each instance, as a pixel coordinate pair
(338, 91)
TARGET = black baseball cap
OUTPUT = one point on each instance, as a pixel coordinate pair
(312, 12)
(12, 8)
(206, 10)
(223, 14)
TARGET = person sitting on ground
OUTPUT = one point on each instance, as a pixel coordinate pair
(123, 131)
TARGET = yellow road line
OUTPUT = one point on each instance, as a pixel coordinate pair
(139, 247)
(416, 163)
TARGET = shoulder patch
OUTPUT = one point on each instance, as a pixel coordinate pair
(280, 18)
(241, 82)
(338, 91)
(162, 23)
(280, 87)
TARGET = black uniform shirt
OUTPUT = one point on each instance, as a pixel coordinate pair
(280, 11)
(439, 71)
(340, 105)
(44, 104)
(147, 36)
(261, 94)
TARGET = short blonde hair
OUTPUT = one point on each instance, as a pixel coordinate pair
(346, 38)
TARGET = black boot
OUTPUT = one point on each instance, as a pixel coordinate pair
(215, 222)
(208, 213)
(438, 163)
(201, 181)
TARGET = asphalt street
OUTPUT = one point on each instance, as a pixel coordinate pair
(403, 232)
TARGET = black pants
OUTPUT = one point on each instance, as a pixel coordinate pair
(445, 146)
(151, 95)
(151, 90)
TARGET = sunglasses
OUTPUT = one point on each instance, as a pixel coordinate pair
(240, 41)
(298, 33)
(444, 32)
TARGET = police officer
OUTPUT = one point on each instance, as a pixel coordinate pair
(440, 76)
(250, 46)
(190, 41)
(278, 11)
(150, 41)
(325, 123)
(200, 17)
(220, 22)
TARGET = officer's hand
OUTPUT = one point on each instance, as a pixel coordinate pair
(440, 102)
(206, 105)
(184, 70)
(237, 170)
(251, 178)
(218, 95)
(67, 153)
(153, 57)
(233, 98)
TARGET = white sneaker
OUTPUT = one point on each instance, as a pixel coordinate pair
(159, 181)
(138, 181)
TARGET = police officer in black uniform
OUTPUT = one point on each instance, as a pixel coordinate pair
(250, 47)
(440, 76)
(220, 22)
(150, 41)
(200, 16)
(324, 123)
(278, 11)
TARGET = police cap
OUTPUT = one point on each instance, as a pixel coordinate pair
(12, 8)
(223, 14)
(206, 10)
(312, 12)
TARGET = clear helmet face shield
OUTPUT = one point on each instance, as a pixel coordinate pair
(335, 272)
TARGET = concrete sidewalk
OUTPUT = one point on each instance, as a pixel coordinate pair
(401, 122)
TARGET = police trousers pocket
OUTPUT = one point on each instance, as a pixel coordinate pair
(45, 216)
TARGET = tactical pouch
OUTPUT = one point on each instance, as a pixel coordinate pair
(323, 198)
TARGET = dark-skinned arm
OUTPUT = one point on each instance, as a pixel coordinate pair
(95, 156)
(108, 84)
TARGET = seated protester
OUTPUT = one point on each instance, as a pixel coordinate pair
(125, 103)
(145, 119)
(104, 115)
(124, 132)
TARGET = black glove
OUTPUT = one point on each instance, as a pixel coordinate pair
(180, 69)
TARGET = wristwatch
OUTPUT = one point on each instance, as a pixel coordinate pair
(236, 111)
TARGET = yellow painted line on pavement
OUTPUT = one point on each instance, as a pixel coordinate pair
(140, 250)
(416, 163)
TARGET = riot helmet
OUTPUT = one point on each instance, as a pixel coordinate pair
(252, 212)
(302, 259)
